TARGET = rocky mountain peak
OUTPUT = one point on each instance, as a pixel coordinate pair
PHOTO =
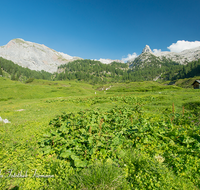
(182, 57)
(34, 56)
(146, 49)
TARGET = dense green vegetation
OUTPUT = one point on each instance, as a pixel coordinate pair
(152, 68)
(185, 83)
(132, 136)
(190, 70)
(95, 72)
(17, 72)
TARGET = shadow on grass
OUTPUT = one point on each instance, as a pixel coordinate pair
(193, 106)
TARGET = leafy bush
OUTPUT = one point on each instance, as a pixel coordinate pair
(193, 106)
(145, 172)
(30, 80)
(160, 152)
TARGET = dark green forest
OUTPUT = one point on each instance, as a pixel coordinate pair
(187, 71)
(147, 71)
(95, 72)
(17, 72)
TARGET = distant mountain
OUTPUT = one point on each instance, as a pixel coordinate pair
(146, 49)
(184, 57)
(38, 57)
(92, 71)
(147, 66)
(164, 65)
(34, 56)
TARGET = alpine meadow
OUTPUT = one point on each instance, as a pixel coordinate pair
(73, 123)
(71, 131)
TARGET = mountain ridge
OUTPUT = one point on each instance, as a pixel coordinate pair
(34, 56)
(182, 57)
(40, 57)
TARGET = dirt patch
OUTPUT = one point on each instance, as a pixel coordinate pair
(20, 110)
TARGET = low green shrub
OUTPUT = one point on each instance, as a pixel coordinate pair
(29, 80)
(100, 176)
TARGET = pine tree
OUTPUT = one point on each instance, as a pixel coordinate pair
(13, 76)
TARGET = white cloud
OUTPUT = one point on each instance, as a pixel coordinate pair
(156, 51)
(181, 45)
(130, 57)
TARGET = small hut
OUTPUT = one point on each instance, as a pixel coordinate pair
(196, 84)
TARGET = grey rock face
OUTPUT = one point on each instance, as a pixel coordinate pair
(182, 57)
(147, 49)
(34, 56)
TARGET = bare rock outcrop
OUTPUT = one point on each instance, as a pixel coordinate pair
(147, 49)
(182, 57)
(34, 56)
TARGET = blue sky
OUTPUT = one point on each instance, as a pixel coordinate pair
(94, 29)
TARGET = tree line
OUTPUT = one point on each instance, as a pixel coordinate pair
(94, 72)
(20, 73)
(192, 69)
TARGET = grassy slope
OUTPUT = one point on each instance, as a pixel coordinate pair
(41, 89)
(32, 97)
(187, 82)
(15, 95)
(30, 124)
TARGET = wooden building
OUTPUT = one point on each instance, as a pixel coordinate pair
(196, 84)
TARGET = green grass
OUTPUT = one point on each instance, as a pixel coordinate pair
(40, 101)
(187, 82)
(17, 40)
(42, 89)
(147, 86)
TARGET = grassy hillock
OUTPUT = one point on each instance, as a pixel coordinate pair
(147, 86)
(63, 135)
(187, 82)
(42, 89)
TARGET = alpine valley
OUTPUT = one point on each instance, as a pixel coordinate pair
(72, 123)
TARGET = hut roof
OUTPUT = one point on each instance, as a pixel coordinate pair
(196, 81)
